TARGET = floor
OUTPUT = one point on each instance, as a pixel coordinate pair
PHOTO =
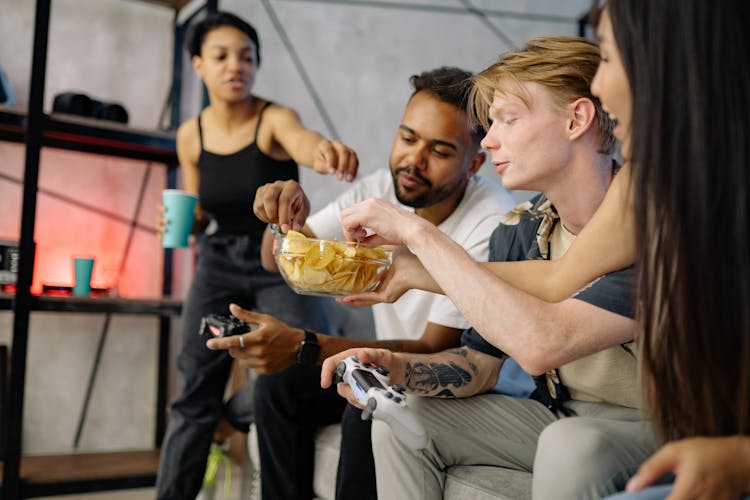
(149, 493)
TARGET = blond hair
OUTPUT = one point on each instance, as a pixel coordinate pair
(565, 65)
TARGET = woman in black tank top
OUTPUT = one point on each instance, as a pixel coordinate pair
(237, 144)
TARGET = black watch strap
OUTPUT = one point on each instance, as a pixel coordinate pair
(309, 349)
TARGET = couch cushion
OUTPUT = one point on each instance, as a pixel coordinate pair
(484, 482)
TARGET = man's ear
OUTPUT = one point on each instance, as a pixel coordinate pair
(476, 163)
(581, 115)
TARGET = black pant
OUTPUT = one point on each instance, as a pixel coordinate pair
(356, 471)
(289, 408)
(228, 270)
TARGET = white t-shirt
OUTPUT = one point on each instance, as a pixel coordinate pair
(470, 225)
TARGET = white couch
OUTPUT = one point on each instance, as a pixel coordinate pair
(475, 482)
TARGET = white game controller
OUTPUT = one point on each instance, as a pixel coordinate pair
(383, 402)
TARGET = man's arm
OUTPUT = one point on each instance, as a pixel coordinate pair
(538, 334)
(455, 373)
(283, 203)
(273, 345)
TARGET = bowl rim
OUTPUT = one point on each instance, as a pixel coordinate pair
(389, 252)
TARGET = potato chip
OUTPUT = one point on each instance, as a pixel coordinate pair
(319, 257)
(329, 267)
(295, 234)
(295, 243)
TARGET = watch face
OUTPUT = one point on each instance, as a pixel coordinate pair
(308, 353)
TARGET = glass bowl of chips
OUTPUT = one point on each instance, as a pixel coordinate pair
(328, 268)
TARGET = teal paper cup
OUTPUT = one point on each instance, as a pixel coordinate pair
(179, 211)
(83, 267)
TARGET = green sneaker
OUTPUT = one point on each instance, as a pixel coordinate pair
(215, 457)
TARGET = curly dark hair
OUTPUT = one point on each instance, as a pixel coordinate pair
(450, 85)
(197, 32)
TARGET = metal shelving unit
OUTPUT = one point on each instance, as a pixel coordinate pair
(24, 477)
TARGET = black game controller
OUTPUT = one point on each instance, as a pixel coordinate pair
(220, 325)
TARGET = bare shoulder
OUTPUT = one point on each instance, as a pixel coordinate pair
(188, 141)
(188, 131)
(279, 114)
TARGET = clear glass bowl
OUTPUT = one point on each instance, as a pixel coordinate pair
(329, 268)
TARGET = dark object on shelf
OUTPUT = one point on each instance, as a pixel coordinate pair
(109, 111)
(6, 90)
(73, 103)
(57, 290)
(67, 291)
(8, 262)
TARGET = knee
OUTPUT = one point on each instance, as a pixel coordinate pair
(569, 440)
(382, 438)
(572, 461)
(572, 435)
(269, 390)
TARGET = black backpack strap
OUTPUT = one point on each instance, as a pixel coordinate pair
(551, 392)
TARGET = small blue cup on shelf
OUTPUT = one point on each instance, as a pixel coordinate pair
(83, 268)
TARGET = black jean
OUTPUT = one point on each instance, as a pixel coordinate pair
(289, 408)
(228, 270)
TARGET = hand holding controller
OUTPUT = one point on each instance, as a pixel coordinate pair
(383, 402)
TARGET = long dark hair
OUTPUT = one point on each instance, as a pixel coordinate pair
(687, 61)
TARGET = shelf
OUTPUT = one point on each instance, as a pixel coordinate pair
(161, 307)
(175, 4)
(43, 475)
(92, 136)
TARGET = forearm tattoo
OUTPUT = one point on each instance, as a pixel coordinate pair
(436, 379)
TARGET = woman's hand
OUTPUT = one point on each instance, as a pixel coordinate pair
(376, 357)
(334, 157)
(401, 276)
(705, 468)
(161, 219)
(283, 203)
(389, 223)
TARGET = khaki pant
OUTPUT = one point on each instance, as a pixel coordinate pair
(571, 458)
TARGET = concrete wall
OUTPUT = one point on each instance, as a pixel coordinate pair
(344, 65)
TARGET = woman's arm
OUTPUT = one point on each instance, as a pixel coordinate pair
(604, 245)
(188, 150)
(704, 468)
(309, 148)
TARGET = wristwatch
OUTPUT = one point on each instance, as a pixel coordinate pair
(309, 349)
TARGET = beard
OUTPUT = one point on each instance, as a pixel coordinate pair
(425, 198)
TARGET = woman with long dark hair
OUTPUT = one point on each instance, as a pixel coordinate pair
(684, 109)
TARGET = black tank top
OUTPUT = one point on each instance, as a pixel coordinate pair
(228, 183)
